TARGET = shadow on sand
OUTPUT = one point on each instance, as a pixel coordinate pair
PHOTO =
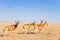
(3, 35)
(27, 33)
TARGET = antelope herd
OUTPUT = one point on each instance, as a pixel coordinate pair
(35, 26)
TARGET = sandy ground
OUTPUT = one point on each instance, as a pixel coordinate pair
(52, 32)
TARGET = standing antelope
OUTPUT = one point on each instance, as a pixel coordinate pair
(10, 27)
(28, 26)
(41, 25)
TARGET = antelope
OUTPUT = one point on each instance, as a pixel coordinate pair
(41, 25)
(28, 26)
(10, 27)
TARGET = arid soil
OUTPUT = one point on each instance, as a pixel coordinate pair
(50, 32)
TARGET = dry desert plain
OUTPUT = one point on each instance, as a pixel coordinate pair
(52, 32)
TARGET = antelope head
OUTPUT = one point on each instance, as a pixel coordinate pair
(41, 21)
(17, 22)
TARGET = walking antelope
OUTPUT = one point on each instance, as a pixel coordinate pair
(28, 26)
(10, 27)
(41, 25)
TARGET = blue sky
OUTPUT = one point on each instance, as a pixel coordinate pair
(30, 10)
